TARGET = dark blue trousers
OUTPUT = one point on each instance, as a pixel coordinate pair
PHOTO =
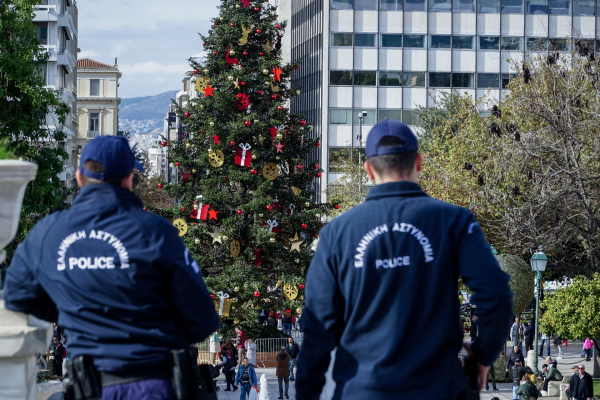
(151, 389)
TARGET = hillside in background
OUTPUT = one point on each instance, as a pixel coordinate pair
(145, 115)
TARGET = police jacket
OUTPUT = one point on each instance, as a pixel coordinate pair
(385, 276)
(117, 278)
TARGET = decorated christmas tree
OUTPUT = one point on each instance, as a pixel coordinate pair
(247, 213)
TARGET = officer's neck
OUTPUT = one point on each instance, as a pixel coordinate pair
(391, 177)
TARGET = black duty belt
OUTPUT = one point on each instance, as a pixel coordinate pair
(118, 378)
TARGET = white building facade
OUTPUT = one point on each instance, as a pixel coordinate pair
(98, 104)
(388, 57)
(56, 22)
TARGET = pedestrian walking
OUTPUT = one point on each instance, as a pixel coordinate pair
(545, 339)
(246, 378)
(517, 374)
(251, 352)
(293, 350)
(228, 370)
(214, 346)
(473, 330)
(231, 350)
(575, 370)
(587, 346)
(491, 374)
(528, 335)
(283, 371)
(515, 355)
(558, 344)
(117, 278)
(382, 270)
(240, 344)
(517, 333)
(581, 385)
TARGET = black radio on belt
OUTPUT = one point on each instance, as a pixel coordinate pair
(83, 380)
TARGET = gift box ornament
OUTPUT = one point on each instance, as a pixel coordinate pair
(201, 211)
(223, 304)
(243, 155)
(273, 227)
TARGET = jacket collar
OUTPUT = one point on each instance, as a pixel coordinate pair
(105, 195)
(393, 189)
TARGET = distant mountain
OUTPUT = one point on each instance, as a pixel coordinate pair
(145, 115)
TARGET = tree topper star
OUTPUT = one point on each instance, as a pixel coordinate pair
(280, 147)
(277, 73)
(212, 214)
(295, 242)
(208, 91)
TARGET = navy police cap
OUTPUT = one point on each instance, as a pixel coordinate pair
(114, 153)
(391, 127)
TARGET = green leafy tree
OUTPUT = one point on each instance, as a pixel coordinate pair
(574, 312)
(255, 225)
(352, 187)
(25, 105)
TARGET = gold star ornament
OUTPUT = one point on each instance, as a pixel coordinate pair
(216, 235)
(295, 242)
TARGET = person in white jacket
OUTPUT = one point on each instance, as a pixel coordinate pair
(251, 351)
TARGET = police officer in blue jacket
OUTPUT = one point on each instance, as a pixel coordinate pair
(382, 288)
(117, 278)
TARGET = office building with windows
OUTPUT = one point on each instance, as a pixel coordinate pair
(56, 22)
(388, 57)
(98, 100)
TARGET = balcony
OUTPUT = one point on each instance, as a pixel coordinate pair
(66, 21)
(45, 13)
(66, 58)
(92, 134)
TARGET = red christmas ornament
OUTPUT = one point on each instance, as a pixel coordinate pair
(288, 311)
(253, 171)
(247, 123)
(212, 296)
(337, 206)
(145, 209)
(202, 131)
(242, 101)
(301, 286)
(212, 27)
(257, 294)
(297, 67)
(258, 31)
(278, 26)
(304, 226)
(261, 54)
(280, 108)
(318, 144)
(256, 9)
(316, 166)
(260, 92)
(319, 174)
(164, 144)
(196, 72)
(243, 83)
(303, 122)
(239, 212)
(187, 114)
(299, 166)
(160, 186)
(274, 96)
(177, 164)
(269, 207)
(316, 235)
(203, 43)
(232, 143)
(183, 208)
(232, 24)
(215, 53)
(245, 53)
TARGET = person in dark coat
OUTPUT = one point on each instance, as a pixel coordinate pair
(59, 353)
(293, 350)
(518, 371)
(529, 333)
(575, 369)
(581, 385)
(473, 330)
(515, 355)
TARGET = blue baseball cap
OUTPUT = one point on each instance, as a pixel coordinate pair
(114, 153)
(390, 127)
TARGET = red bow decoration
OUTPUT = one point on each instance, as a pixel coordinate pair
(257, 256)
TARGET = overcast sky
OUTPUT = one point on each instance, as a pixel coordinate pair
(151, 38)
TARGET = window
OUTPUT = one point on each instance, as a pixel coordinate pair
(488, 6)
(390, 5)
(488, 81)
(364, 39)
(489, 42)
(537, 44)
(440, 5)
(340, 116)
(413, 79)
(537, 6)
(340, 78)
(462, 42)
(342, 4)
(339, 156)
(94, 87)
(94, 122)
(511, 43)
(414, 5)
(365, 5)
(462, 80)
(557, 44)
(560, 7)
(391, 40)
(439, 79)
(390, 78)
(485, 113)
(581, 7)
(463, 6)
(341, 39)
(512, 6)
(506, 78)
(365, 78)
(414, 41)
(368, 120)
(390, 114)
(439, 41)
(410, 117)
(42, 34)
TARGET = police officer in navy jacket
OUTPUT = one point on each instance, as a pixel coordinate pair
(382, 288)
(117, 278)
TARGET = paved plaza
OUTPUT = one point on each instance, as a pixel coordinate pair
(571, 357)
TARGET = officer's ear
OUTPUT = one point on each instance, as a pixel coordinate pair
(369, 170)
(78, 178)
(127, 182)
(419, 162)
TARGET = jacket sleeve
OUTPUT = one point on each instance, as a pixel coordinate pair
(491, 294)
(22, 291)
(321, 321)
(186, 288)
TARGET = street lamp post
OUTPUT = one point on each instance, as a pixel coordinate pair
(361, 120)
(538, 265)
